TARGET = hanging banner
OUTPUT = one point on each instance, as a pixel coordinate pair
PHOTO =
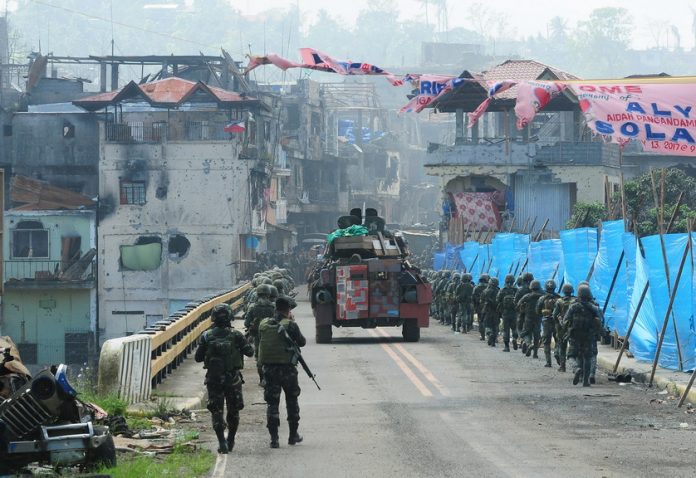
(532, 97)
(494, 88)
(428, 88)
(659, 116)
(315, 60)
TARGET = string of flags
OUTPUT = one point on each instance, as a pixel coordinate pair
(655, 113)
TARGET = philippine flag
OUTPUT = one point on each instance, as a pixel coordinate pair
(235, 127)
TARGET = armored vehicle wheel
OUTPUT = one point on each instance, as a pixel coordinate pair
(324, 333)
(410, 331)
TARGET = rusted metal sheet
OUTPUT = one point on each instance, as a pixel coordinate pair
(535, 198)
(39, 195)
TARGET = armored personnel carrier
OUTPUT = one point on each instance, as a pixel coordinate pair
(367, 281)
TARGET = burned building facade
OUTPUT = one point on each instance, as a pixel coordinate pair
(181, 188)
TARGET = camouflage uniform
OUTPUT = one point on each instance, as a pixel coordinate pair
(506, 308)
(545, 307)
(559, 311)
(262, 308)
(532, 321)
(453, 302)
(280, 374)
(583, 324)
(521, 292)
(490, 310)
(224, 384)
(466, 310)
(476, 299)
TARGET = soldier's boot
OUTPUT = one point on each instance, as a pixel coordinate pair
(592, 380)
(535, 354)
(222, 443)
(562, 368)
(558, 358)
(585, 381)
(232, 426)
(507, 346)
(273, 430)
(576, 377)
(524, 349)
(294, 436)
(548, 359)
(514, 344)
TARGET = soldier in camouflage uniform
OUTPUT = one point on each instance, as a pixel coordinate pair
(453, 302)
(505, 302)
(280, 373)
(262, 308)
(532, 321)
(466, 310)
(490, 310)
(559, 310)
(476, 300)
(523, 289)
(598, 336)
(221, 349)
(583, 324)
(545, 309)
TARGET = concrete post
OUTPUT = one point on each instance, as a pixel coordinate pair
(102, 77)
(459, 126)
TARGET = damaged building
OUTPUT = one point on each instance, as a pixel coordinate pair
(183, 173)
(49, 305)
(497, 174)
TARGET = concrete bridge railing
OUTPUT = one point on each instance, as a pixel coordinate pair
(132, 366)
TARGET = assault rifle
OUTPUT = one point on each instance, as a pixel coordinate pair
(297, 355)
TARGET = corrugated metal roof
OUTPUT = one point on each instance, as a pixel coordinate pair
(167, 92)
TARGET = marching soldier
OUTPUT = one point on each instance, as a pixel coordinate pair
(545, 308)
(559, 310)
(478, 304)
(506, 308)
(280, 370)
(583, 323)
(532, 321)
(221, 349)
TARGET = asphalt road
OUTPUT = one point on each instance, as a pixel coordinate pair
(450, 406)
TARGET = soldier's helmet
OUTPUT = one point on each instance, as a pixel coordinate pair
(467, 277)
(535, 285)
(493, 281)
(550, 285)
(509, 279)
(279, 285)
(567, 290)
(267, 280)
(519, 281)
(221, 314)
(457, 276)
(263, 290)
(484, 278)
(255, 281)
(528, 277)
(584, 292)
(274, 293)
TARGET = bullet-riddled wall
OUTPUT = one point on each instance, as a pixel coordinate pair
(179, 238)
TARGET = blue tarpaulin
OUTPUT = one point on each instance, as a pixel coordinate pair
(579, 251)
(544, 257)
(610, 250)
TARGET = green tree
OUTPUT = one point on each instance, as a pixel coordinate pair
(601, 42)
(587, 214)
(640, 202)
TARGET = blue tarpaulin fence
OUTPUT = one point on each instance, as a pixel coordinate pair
(581, 251)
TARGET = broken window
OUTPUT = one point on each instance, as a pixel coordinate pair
(132, 192)
(30, 239)
(178, 246)
(68, 129)
(145, 255)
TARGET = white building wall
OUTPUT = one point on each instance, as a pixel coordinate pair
(207, 201)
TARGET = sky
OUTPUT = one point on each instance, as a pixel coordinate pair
(527, 17)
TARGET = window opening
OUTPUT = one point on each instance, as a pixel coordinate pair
(132, 192)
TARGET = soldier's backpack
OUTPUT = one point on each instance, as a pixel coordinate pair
(218, 355)
(549, 302)
(583, 323)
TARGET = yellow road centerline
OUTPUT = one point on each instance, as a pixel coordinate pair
(404, 368)
(422, 368)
